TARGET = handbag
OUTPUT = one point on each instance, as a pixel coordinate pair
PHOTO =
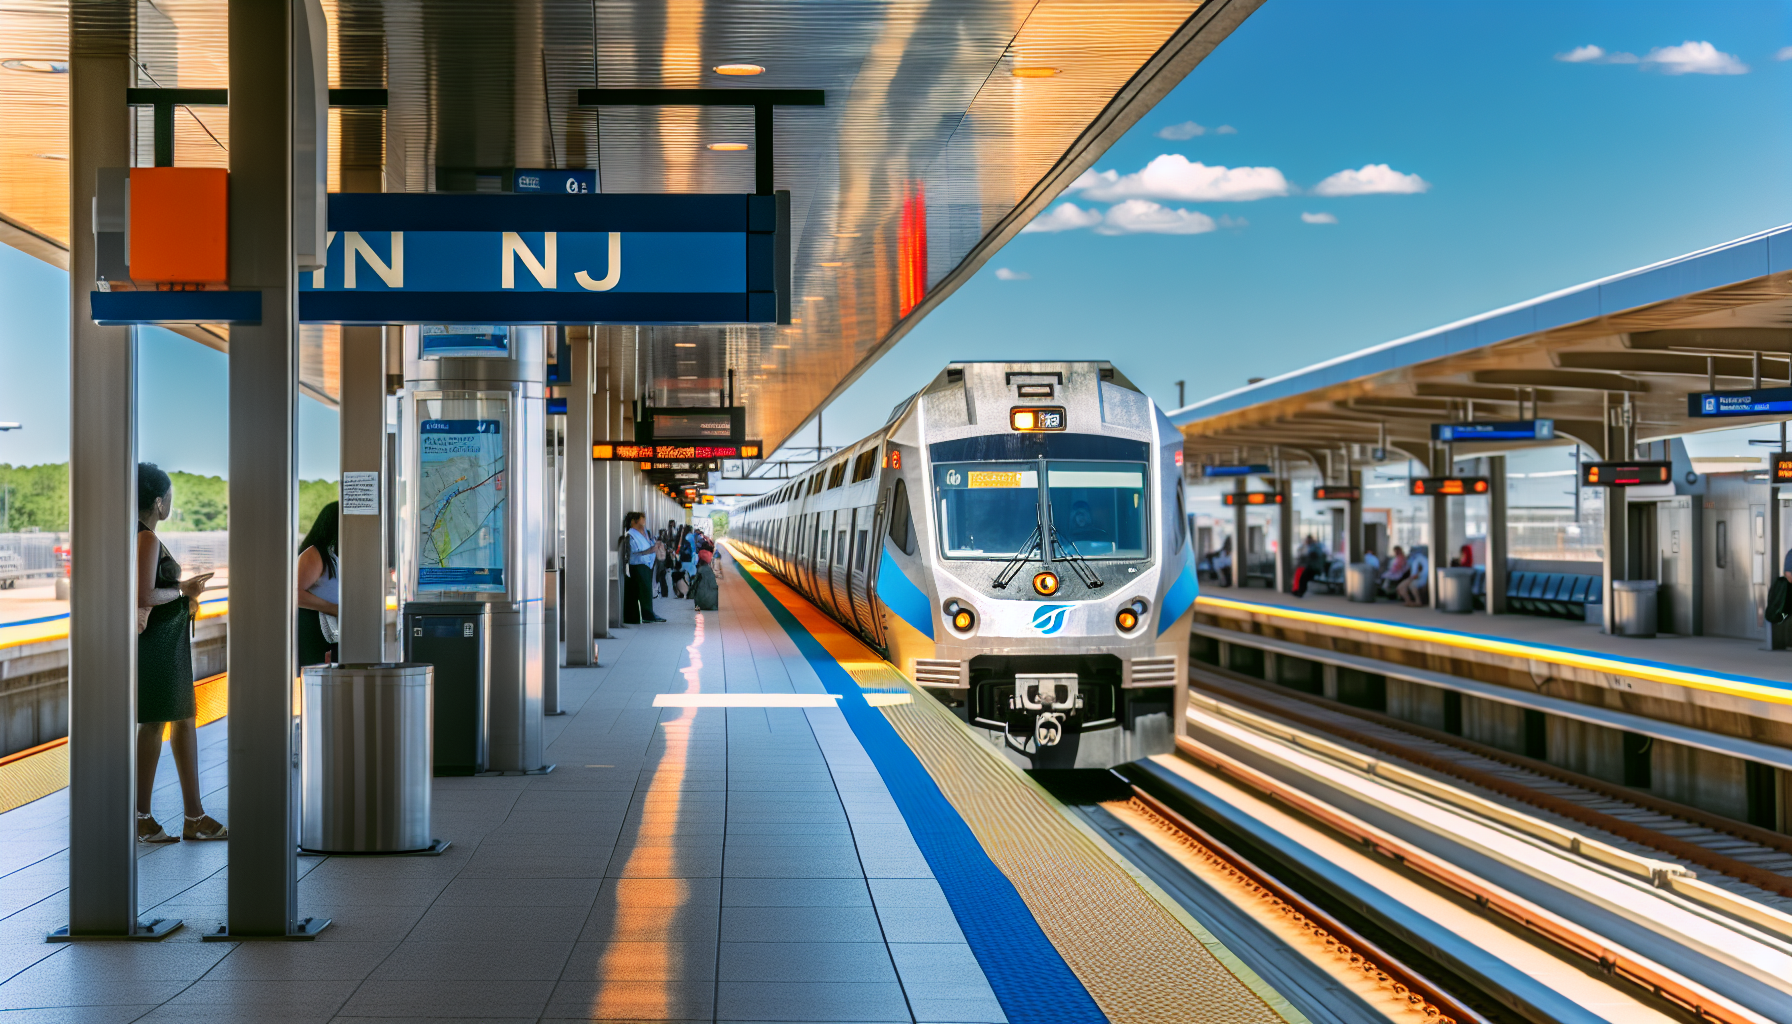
(331, 627)
(1777, 594)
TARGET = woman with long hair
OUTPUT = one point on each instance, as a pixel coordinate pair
(166, 605)
(320, 589)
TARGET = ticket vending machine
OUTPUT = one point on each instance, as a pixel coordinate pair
(470, 535)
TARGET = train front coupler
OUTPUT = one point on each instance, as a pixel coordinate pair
(1049, 699)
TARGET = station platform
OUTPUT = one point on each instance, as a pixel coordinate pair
(832, 845)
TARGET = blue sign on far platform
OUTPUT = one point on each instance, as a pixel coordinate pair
(1251, 470)
(1516, 430)
(1759, 402)
(574, 182)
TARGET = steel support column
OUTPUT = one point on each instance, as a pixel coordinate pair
(1353, 520)
(1617, 544)
(362, 444)
(583, 596)
(264, 367)
(1440, 526)
(102, 648)
(1497, 539)
(1241, 532)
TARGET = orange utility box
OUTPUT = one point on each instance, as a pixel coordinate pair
(180, 225)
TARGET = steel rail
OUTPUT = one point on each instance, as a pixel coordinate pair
(1368, 958)
(1610, 957)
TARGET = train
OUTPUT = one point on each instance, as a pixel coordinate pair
(1014, 540)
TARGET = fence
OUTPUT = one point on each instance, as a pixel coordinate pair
(36, 551)
(196, 552)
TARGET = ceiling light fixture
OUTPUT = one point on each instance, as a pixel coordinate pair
(684, 344)
(738, 69)
(728, 147)
(780, 346)
(836, 263)
(846, 234)
(687, 376)
(42, 67)
(1033, 72)
(768, 366)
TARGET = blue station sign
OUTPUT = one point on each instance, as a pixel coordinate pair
(572, 182)
(1515, 430)
(1251, 470)
(1759, 402)
(496, 259)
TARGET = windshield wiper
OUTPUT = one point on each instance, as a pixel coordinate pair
(1006, 576)
(1067, 552)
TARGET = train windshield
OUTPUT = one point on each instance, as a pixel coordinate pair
(991, 509)
(987, 509)
(1098, 509)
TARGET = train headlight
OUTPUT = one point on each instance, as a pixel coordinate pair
(960, 616)
(1131, 616)
(1045, 584)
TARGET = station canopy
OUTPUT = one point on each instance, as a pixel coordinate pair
(947, 127)
(1640, 340)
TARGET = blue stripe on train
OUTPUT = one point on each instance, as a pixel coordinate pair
(1181, 595)
(900, 595)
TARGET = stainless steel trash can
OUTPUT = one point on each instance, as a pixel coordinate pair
(1456, 590)
(1360, 581)
(365, 764)
(1634, 607)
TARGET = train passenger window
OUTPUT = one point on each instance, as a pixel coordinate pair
(858, 561)
(840, 546)
(836, 476)
(864, 465)
(821, 545)
(1722, 548)
(1098, 508)
(902, 519)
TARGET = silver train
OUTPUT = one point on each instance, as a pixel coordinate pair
(1014, 541)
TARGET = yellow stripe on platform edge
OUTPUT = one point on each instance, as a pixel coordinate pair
(1140, 962)
(37, 772)
(1517, 649)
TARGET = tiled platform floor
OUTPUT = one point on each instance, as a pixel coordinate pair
(680, 864)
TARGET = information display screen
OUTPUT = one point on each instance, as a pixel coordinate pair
(1625, 474)
(462, 505)
(693, 425)
(1420, 486)
(460, 341)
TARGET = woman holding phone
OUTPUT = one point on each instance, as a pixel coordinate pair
(166, 607)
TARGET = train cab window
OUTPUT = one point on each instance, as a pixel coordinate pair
(1098, 508)
(902, 519)
(987, 509)
(1181, 521)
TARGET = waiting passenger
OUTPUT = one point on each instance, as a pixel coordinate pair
(643, 550)
(1413, 589)
(166, 607)
(1396, 572)
(319, 578)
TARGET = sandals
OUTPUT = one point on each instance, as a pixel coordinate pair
(204, 827)
(150, 833)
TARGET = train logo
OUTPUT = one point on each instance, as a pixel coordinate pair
(953, 479)
(1049, 618)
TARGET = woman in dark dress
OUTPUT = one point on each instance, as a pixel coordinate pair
(165, 608)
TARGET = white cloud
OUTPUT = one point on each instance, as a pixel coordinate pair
(1141, 216)
(1174, 176)
(1226, 129)
(1318, 218)
(1179, 132)
(1588, 54)
(1690, 58)
(1371, 179)
(1233, 222)
(1785, 53)
(1064, 217)
(1004, 274)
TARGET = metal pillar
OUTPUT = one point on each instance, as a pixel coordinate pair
(1285, 522)
(102, 649)
(264, 365)
(1778, 636)
(584, 597)
(1440, 526)
(620, 428)
(553, 456)
(1353, 521)
(1617, 544)
(1497, 539)
(1241, 531)
(362, 441)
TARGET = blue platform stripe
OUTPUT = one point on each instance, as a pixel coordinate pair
(900, 595)
(1182, 594)
(1029, 977)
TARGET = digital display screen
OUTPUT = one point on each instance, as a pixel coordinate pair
(1043, 418)
(697, 424)
(1625, 474)
(627, 451)
(1447, 485)
(1782, 467)
(462, 341)
(1337, 494)
(1254, 498)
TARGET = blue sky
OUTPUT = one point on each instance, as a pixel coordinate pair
(1538, 173)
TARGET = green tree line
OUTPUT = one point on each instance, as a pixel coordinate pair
(37, 496)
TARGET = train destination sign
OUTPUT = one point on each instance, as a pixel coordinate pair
(1254, 498)
(706, 465)
(1625, 474)
(1337, 494)
(1446, 486)
(726, 425)
(1759, 402)
(1516, 430)
(629, 451)
(1250, 470)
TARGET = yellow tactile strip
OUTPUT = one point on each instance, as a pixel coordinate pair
(1137, 960)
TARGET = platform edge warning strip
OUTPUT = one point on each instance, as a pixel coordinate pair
(1752, 687)
(1028, 975)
